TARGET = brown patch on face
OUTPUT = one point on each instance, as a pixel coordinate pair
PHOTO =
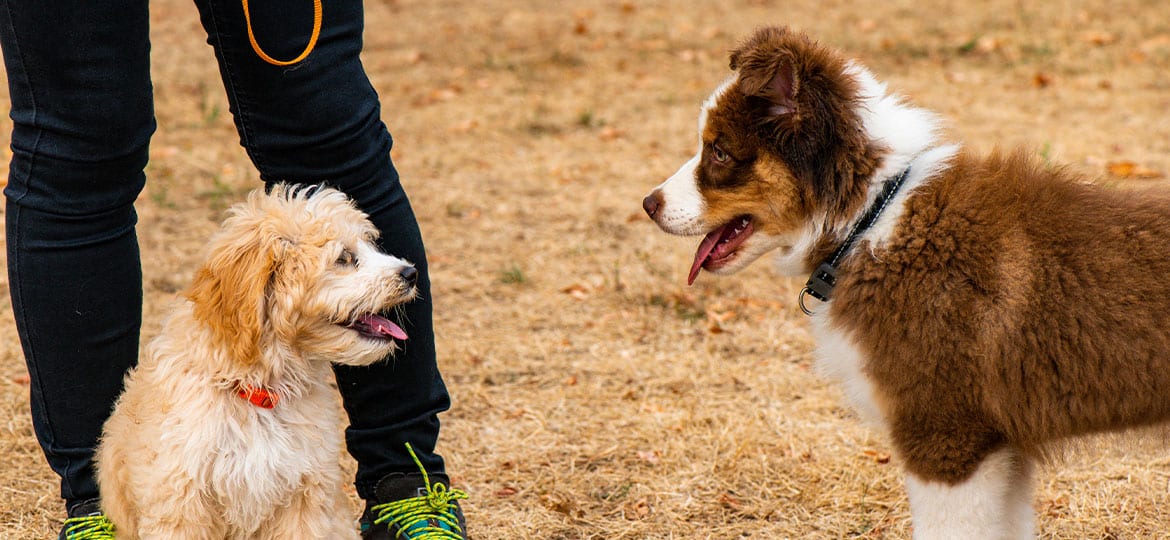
(768, 192)
(795, 103)
(229, 290)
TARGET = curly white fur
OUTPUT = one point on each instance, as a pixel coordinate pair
(183, 456)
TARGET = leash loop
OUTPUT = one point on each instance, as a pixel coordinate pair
(800, 301)
(317, 16)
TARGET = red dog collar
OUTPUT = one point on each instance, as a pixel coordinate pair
(260, 397)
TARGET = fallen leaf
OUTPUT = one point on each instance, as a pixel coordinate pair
(649, 456)
(638, 509)
(560, 505)
(1099, 38)
(1129, 169)
(730, 502)
(163, 152)
(1041, 80)
(506, 491)
(464, 127)
(879, 457)
(577, 290)
(439, 95)
(988, 44)
(684, 299)
(1055, 507)
(715, 320)
(412, 56)
(720, 316)
(610, 133)
(22, 379)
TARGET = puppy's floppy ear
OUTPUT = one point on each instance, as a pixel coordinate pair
(229, 290)
(767, 70)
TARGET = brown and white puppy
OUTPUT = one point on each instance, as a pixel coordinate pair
(229, 426)
(995, 307)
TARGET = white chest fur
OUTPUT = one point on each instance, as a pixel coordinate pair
(840, 360)
(256, 459)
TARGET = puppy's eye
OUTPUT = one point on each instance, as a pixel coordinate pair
(718, 154)
(347, 258)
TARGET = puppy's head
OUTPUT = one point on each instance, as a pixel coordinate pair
(783, 157)
(296, 272)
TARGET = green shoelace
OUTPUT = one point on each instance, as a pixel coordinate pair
(426, 517)
(92, 527)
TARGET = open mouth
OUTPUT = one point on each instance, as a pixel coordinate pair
(719, 247)
(376, 327)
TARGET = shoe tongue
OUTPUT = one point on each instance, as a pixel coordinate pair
(397, 486)
(84, 508)
(705, 248)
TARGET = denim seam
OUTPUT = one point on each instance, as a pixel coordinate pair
(17, 196)
(16, 286)
(229, 83)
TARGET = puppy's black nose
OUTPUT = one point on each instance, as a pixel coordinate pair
(409, 275)
(651, 204)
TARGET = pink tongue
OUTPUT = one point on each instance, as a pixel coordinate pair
(705, 248)
(379, 325)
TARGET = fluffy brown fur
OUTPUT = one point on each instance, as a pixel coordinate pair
(1042, 312)
(997, 307)
(292, 283)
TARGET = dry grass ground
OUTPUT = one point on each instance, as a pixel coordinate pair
(596, 396)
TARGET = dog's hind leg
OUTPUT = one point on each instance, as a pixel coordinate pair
(992, 503)
(180, 510)
(114, 475)
(180, 527)
(316, 512)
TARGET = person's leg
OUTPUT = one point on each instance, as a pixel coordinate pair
(320, 121)
(78, 75)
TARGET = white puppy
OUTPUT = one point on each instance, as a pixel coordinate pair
(229, 427)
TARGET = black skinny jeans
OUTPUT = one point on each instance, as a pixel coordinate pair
(82, 111)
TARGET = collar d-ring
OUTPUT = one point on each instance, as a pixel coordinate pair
(800, 301)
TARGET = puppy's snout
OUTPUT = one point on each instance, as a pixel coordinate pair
(652, 203)
(409, 275)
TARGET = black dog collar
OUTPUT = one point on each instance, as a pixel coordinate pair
(820, 284)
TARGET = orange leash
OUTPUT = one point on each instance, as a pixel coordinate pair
(308, 48)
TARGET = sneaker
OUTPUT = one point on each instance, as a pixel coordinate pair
(419, 507)
(86, 522)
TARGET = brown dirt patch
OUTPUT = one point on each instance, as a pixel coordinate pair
(595, 395)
